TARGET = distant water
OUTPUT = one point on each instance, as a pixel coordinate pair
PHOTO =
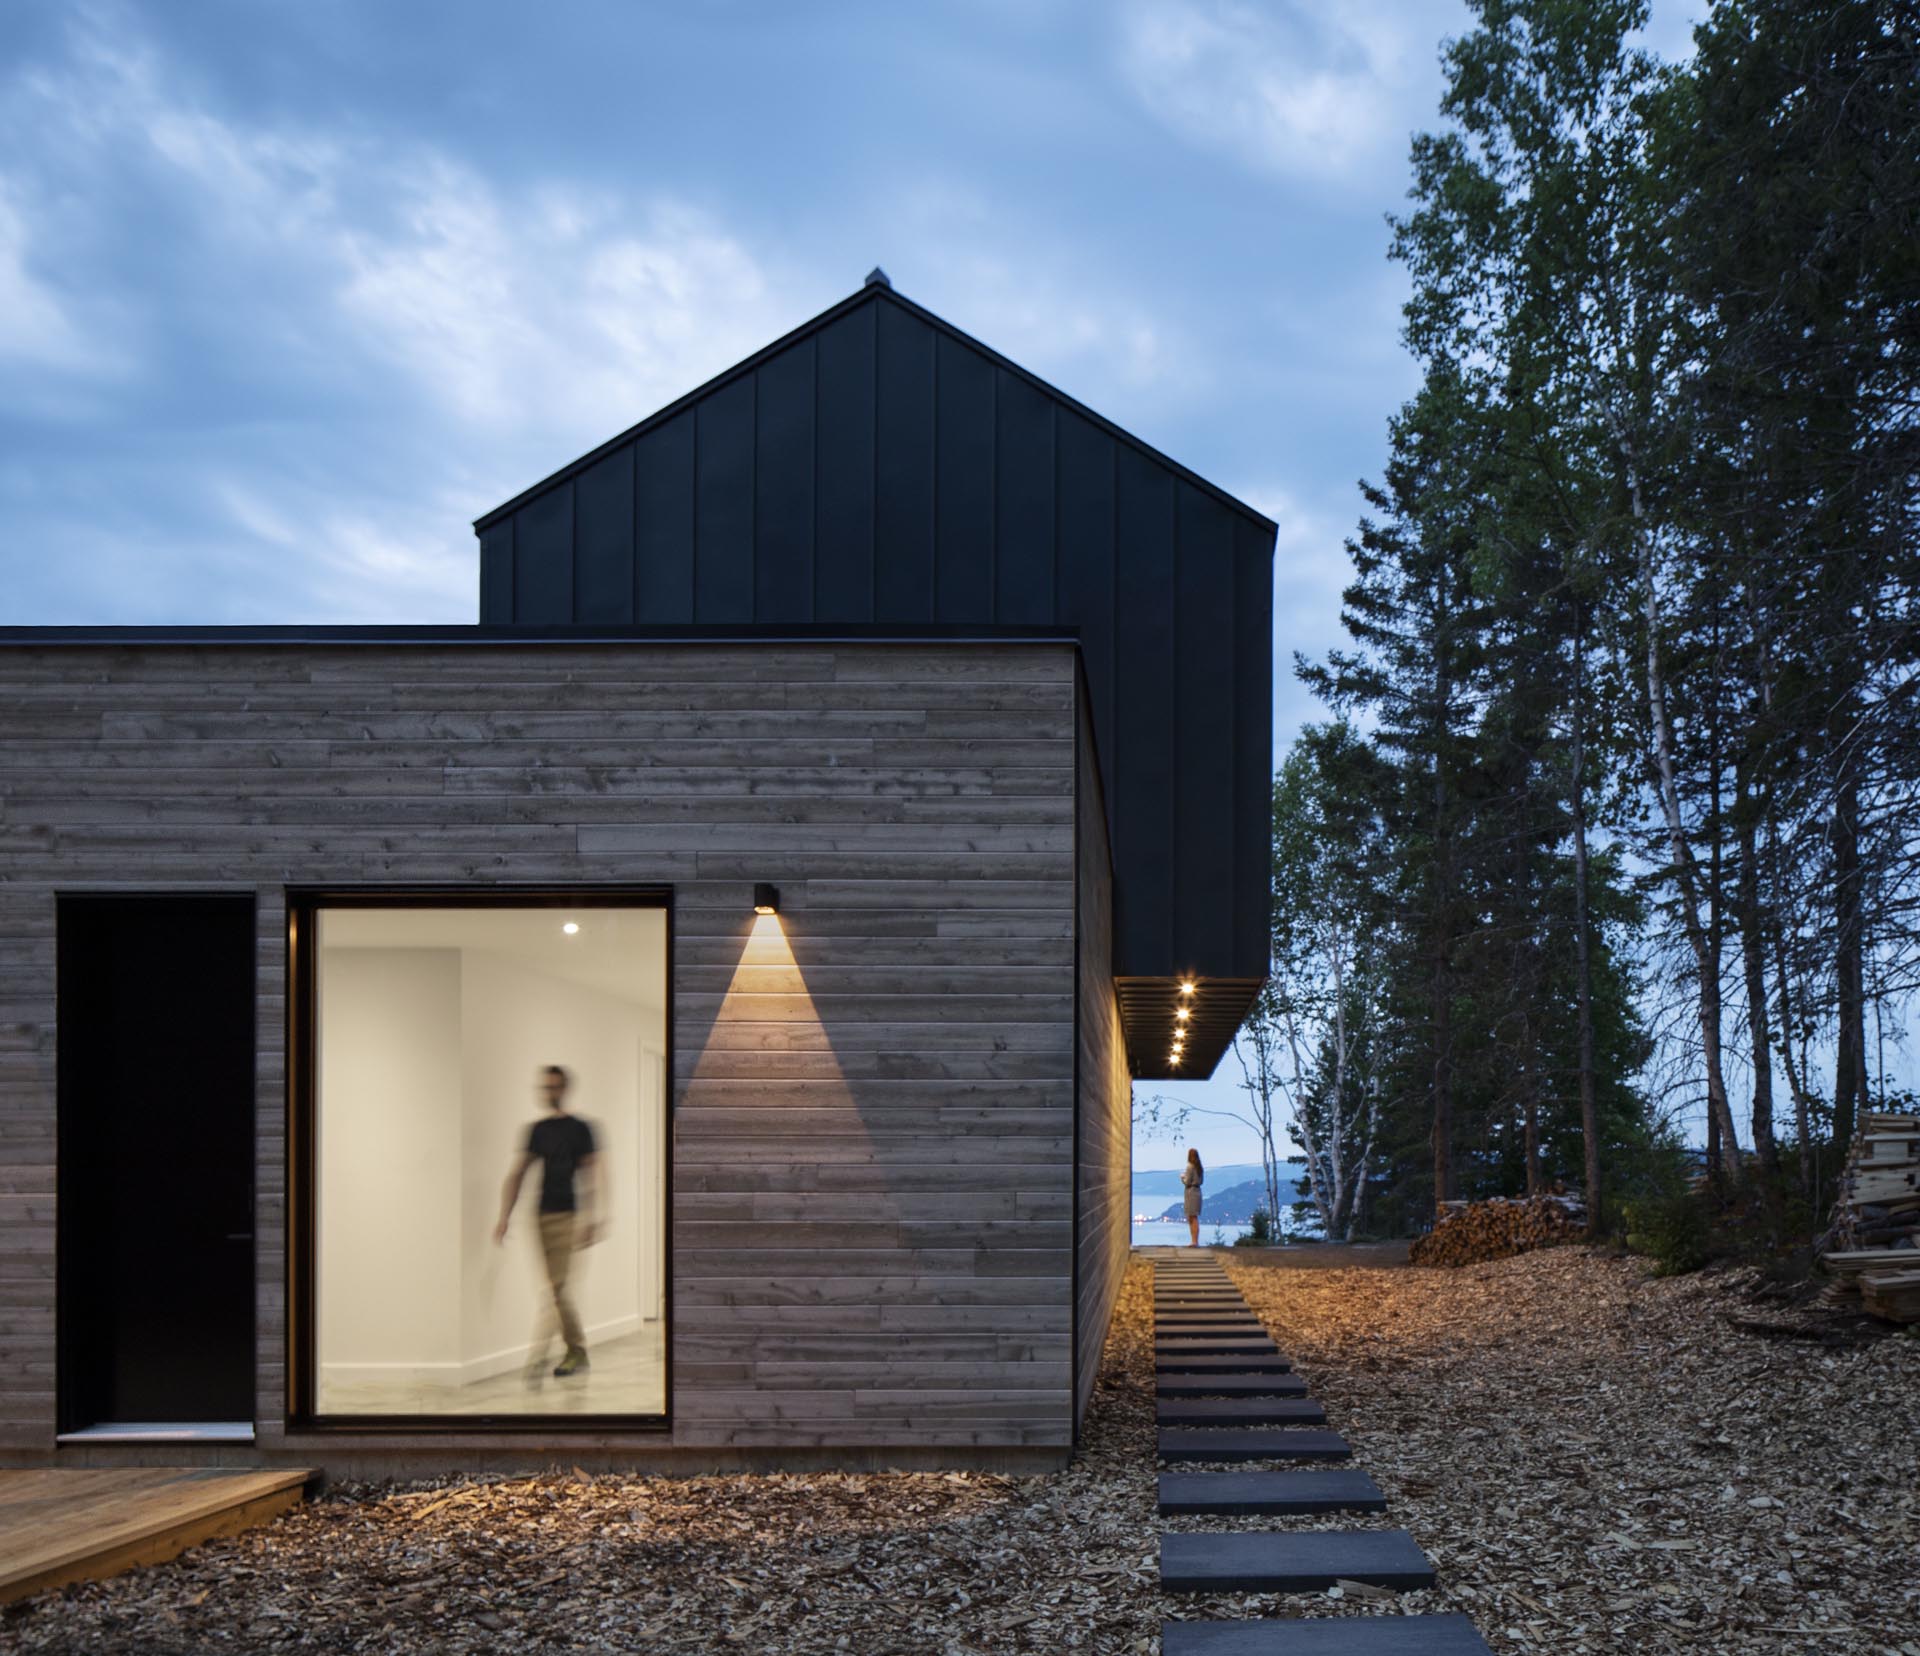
(1159, 1234)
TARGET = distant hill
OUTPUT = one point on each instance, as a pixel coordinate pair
(1165, 1181)
(1234, 1205)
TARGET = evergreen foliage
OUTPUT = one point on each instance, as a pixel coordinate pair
(1618, 820)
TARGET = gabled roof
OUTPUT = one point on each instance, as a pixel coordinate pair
(877, 290)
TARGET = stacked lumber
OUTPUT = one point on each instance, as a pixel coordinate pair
(1873, 1245)
(1468, 1232)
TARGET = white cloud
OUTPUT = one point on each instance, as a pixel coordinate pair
(1311, 570)
(442, 337)
(1312, 90)
(537, 310)
(1041, 306)
(577, 317)
(35, 325)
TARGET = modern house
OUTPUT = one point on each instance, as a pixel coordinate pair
(859, 775)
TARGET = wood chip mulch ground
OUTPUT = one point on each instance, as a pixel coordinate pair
(1596, 1461)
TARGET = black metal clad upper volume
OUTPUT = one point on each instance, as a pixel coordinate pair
(877, 467)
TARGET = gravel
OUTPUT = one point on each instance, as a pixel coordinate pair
(1595, 1460)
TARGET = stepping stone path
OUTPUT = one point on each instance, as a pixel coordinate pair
(1219, 1443)
(1221, 1365)
(1270, 1494)
(1303, 1561)
(1232, 1385)
(1227, 1395)
(1449, 1635)
(1241, 1411)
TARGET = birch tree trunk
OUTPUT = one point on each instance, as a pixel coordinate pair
(1754, 959)
(1582, 947)
(1685, 870)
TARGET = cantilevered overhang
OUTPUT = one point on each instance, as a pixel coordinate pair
(1164, 1045)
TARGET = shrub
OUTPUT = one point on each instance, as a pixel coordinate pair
(1259, 1233)
(1674, 1230)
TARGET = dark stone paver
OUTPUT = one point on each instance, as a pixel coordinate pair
(1189, 1315)
(1221, 1365)
(1232, 1321)
(1449, 1635)
(1203, 1313)
(1300, 1561)
(1204, 1443)
(1229, 1335)
(1210, 1331)
(1231, 1385)
(1273, 1494)
(1217, 1345)
(1240, 1411)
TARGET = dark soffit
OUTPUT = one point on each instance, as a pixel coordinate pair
(876, 294)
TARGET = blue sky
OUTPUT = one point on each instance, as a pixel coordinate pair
(289, 294)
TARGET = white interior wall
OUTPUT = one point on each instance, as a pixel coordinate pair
(428, 1064)
(389, 1133)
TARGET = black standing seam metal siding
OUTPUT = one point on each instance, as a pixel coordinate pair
(878, 467)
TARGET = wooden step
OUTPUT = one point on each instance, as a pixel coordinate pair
(86, 1523)
(1300, 1561)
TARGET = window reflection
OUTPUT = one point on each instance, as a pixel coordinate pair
(490, 1134)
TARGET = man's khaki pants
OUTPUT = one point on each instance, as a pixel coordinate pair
(556, 1248)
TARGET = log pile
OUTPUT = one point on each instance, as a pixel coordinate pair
(1468, 1232)
(1873, 1246)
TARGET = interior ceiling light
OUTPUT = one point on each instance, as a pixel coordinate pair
(571, 927)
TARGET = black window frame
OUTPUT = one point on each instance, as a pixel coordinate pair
(304, 905)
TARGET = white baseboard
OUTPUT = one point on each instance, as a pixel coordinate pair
(486, 1366)
(509, 1358)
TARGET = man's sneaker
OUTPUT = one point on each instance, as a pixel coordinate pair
(574, 1361)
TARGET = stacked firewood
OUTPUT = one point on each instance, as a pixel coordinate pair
(1467, 1232)
(1873, 1247)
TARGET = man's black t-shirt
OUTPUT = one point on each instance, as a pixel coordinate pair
(561, 1142)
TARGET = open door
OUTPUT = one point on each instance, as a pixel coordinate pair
(156, 1099)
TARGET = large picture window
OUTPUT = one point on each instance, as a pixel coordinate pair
(485, 1145)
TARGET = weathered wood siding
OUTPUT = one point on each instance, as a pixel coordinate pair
(1103, 1159)
(873, 1105)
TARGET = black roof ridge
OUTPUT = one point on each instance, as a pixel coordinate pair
(872, 293)
(568, 632)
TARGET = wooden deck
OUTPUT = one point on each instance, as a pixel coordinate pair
(81, 1524)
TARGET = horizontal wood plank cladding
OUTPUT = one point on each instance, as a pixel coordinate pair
(873, 1097)
(1103, 1128)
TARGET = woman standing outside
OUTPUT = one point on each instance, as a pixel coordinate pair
(1192, 1176)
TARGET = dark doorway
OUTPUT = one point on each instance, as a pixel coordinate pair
(156, 1094)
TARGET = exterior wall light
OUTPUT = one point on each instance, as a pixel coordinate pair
(571, 927)
(766, 898)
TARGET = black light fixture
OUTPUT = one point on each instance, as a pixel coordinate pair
(766, 898)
